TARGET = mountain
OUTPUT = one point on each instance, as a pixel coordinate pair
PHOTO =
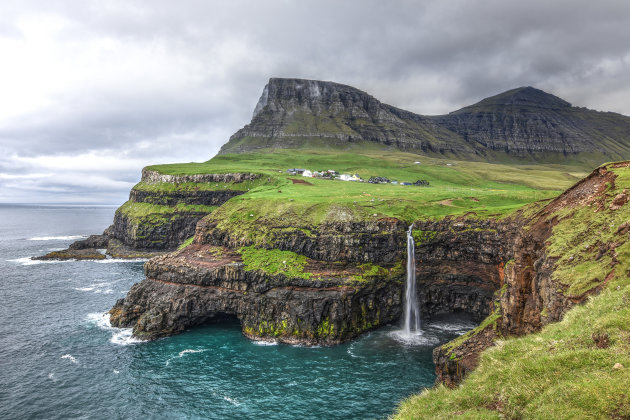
(528, 120)
(296, 113)
(516, 124)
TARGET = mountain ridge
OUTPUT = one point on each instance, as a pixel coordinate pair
(519, 123)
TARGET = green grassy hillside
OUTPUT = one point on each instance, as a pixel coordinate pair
(578, 368)
(455, 187)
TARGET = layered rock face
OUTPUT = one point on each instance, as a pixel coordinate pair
(176, 212)
(200, 283)
(295, 113)
(354, 283)
(379, 241)
(460, 261)
(523, 122)
(528, 120)
(161, 213)
(532, 294)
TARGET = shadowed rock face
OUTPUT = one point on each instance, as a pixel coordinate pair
(379, 241)
(523, 122)
(459, 263)
(529, 297)
(527, 120)
(208, 279)
(197, 284)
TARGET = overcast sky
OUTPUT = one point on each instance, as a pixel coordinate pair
(92, 91)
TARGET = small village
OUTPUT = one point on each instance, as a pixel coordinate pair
(334, 175)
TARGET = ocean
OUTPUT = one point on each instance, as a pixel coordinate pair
(60, 358)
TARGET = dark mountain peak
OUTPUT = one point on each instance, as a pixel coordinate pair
(284, 94)
(526, 96)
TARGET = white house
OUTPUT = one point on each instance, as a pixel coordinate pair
(345, 177)
(307, 173)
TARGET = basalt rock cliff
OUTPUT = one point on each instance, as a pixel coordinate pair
(161, 214)
(520, 123)
(567, 251)
(353, 282)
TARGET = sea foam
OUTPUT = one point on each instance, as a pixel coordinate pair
(57, 238)
(120, 336)
(184, 352)
(418, 338)
(71, 358)
(120, 260)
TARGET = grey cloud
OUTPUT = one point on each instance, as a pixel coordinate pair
(170, 81)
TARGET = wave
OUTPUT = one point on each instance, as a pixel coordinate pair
(57, 238)
(456, 327)
(29, 261)
(233, 401)
(265, 343)
(120, 336)
(96, 288)
(124, 337)
(119, 260)
(184, 352)
(71, 358)
(350, 351)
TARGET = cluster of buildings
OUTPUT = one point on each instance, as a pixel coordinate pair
(331, 174)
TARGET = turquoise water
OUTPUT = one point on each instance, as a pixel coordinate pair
(59, 358)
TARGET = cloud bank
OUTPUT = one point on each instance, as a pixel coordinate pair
(92, 91)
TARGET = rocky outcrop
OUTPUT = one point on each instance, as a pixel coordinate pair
(161, 213)
(154, 177)
(531, 295)
(522, 122)
(201, 283)
(460, 261)
(208, 280)
(379, 241)
(454, 361)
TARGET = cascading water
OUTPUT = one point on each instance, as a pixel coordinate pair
(411, 334)
(411, 313)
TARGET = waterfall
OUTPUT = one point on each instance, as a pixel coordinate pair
(411, 311)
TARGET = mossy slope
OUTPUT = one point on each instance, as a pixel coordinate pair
(576, 368)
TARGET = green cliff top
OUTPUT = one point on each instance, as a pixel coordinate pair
(455, 187)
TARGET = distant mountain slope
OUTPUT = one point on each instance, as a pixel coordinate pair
(520, 123)
(528, 120)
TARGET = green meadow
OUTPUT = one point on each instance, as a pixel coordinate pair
(456, 187)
